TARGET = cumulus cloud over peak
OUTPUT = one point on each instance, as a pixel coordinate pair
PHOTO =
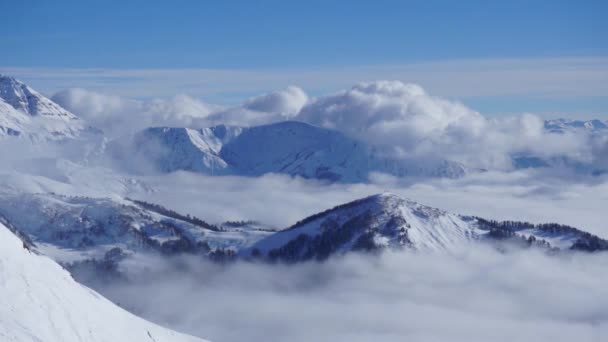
(387, 105)
(287, 102)
(420, 125)
(271, 107)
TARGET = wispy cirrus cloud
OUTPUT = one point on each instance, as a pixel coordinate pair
(467, 78)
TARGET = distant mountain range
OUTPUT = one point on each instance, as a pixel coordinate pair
(292, 148)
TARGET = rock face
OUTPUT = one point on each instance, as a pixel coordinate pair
(292, 148)
(41, 302)
(26, 113)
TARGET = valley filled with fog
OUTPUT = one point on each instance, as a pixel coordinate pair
(473, 295)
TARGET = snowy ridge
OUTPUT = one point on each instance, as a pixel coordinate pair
(25, 112)
(41, 302)
(290, 147)
(389, 221)
(374, 222)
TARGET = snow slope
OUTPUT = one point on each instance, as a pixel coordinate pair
(290, 147)
(26, 113)
(41, 302)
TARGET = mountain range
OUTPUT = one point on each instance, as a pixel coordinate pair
(103, 233)
(290, 147)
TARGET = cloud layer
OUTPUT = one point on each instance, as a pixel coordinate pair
(477, 295)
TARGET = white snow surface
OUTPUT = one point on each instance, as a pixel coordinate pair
(42, 303)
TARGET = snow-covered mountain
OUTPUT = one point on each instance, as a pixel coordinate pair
(26, 113)
(562, 125)
(389, 221)
(41, 302)
(293, 148)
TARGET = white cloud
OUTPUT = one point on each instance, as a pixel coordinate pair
(272, 107)
(287, 102)
(420, 125)
(116, 115)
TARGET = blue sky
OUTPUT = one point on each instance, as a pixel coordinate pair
(295, 37)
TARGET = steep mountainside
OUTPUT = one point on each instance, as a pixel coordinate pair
(41, 302)
(26, 113)
(291, 147)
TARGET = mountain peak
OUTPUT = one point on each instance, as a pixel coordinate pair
(26, 112)
(370, 223)
(26, 100)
